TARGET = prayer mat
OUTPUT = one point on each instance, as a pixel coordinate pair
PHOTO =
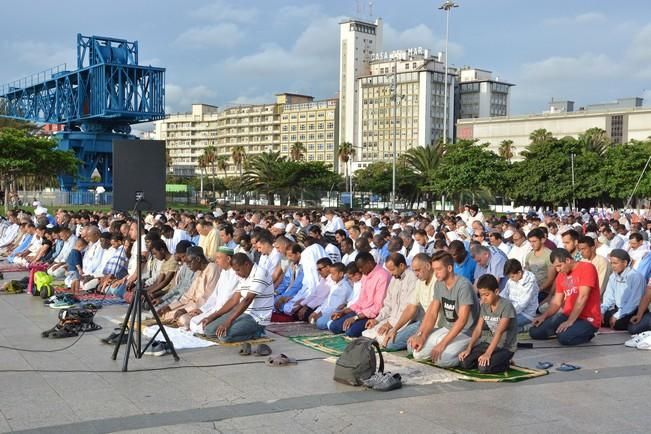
(609, 331)
(281, 317)
(296, 328)
(514, 374)
(329, 344)
(103, 299)
(12, 268)
(261, 340)
(151, 322)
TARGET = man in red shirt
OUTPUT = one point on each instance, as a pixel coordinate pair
(574, 313)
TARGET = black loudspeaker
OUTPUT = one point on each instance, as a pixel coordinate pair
(139, 175)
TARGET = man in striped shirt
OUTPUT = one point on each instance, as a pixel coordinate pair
(248, 311)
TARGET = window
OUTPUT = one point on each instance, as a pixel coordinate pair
(284, 127)
(293, 127)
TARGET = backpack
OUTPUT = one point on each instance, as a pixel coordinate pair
(43, 284)
(357, 362)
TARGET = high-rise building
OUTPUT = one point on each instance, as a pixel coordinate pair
(482, 96)
(314, 124)
(359, 40)
(419, 95)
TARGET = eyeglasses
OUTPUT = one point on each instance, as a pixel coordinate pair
(320, 268)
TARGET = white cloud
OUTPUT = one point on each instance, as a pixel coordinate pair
(584, 18)
(179, 99)
(301, 13)
(639, 53)
(585, 66)
(418, 36)
(225, 35)
(40, 55)
(221, 10)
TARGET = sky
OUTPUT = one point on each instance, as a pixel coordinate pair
(223, 52)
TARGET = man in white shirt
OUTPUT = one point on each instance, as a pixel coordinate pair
(334, 222)
(520, 248)
(637, 249)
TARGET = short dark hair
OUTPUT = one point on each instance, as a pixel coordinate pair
(444, 257)
(364, 258)
(635, 236)
(351, 268)
(339, 266)
(228, 229)
(536, 233)
(571, 233)
(159, 245)
(487, 281)
(560, 254)
(324, 261)
(586, 240)
(240, 259)
(396, 259)
(183, 246)
(296, 248)
(512, 266)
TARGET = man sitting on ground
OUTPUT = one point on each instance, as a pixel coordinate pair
(623, 292)
(454, 309)
(574, 313)
(522, 291)
(248, 311)
(337, 297)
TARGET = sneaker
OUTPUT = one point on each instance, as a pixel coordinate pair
(388, 382)
(636, 339)
(645, 343)
(157, 348)
(373, 379)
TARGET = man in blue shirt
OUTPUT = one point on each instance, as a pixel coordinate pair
(464, 265)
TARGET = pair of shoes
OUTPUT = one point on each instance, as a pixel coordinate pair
(636, 340)
(383, 382)
(64, 301)
(157, 349)
(260, 350)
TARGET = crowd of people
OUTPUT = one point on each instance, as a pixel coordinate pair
(456, 288)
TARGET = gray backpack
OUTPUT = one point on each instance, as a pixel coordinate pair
(357, 362)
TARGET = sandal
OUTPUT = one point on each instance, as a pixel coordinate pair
(566, 367)
(262, 350)
(544, 365)
(65, 332)
(280, 360)
(245, 349)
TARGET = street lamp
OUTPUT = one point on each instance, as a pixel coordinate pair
(394, 97)
(447, 6)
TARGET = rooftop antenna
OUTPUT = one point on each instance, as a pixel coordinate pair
(370, 9)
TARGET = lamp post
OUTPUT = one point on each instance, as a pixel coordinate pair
(573, 183)
(447, 6)
(394, 96)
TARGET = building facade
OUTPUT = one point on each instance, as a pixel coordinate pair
(414, 117)
(256, 128)
(621, 125)
(358, 41)
(480, 95)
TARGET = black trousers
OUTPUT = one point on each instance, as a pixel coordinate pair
(621, 324)
(499, 362)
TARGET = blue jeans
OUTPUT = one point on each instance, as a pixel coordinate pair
(400, 342)
(117, 291)
(242, 329)
(522, 322)
(580, 332)
(642, 326)
(322, 322)
(354, 331)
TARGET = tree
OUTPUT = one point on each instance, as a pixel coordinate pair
(22, 154)
(467, 168)
(201, 164)
(596, 140)
(222, 163)
(238, 155)
(506, 150)
(345, 152)
(377, 178)
(621, 167)
(210, 158)
(540, 135)
(264, 173)
(423, 161)
(297, 151)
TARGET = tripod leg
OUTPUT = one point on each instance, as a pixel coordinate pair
(125, 364)
(160, 325)
(123, 329)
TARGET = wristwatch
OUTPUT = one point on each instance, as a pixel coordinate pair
(356, 317)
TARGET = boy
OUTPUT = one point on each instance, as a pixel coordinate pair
(339, 293)
(498, 344)
(522, 291)
(74, 265)
(354, 277)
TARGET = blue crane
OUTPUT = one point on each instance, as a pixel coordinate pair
(96, 103)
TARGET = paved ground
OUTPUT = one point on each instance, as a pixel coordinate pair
(610, 394)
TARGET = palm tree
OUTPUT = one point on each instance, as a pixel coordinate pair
(222, 163)
(297, 151)
(210, 156)
(264, 173)
(506, 150)
(540, 136)
(423, 161)
(202, 164)
(345, 152)
(596, 140)
(238, 154)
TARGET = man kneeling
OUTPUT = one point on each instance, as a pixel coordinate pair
(454, 308)
(495, 351)
(248, 311)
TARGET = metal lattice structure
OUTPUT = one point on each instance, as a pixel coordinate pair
(97, 102)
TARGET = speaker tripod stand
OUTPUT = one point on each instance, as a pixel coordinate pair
(132, 324)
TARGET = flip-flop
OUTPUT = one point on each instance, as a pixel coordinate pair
(245, 349)
(544, 365)
(566, 367)
(262, 350)
(280, 360)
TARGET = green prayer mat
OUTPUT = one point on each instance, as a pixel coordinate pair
(514, 374)
(329, 344)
